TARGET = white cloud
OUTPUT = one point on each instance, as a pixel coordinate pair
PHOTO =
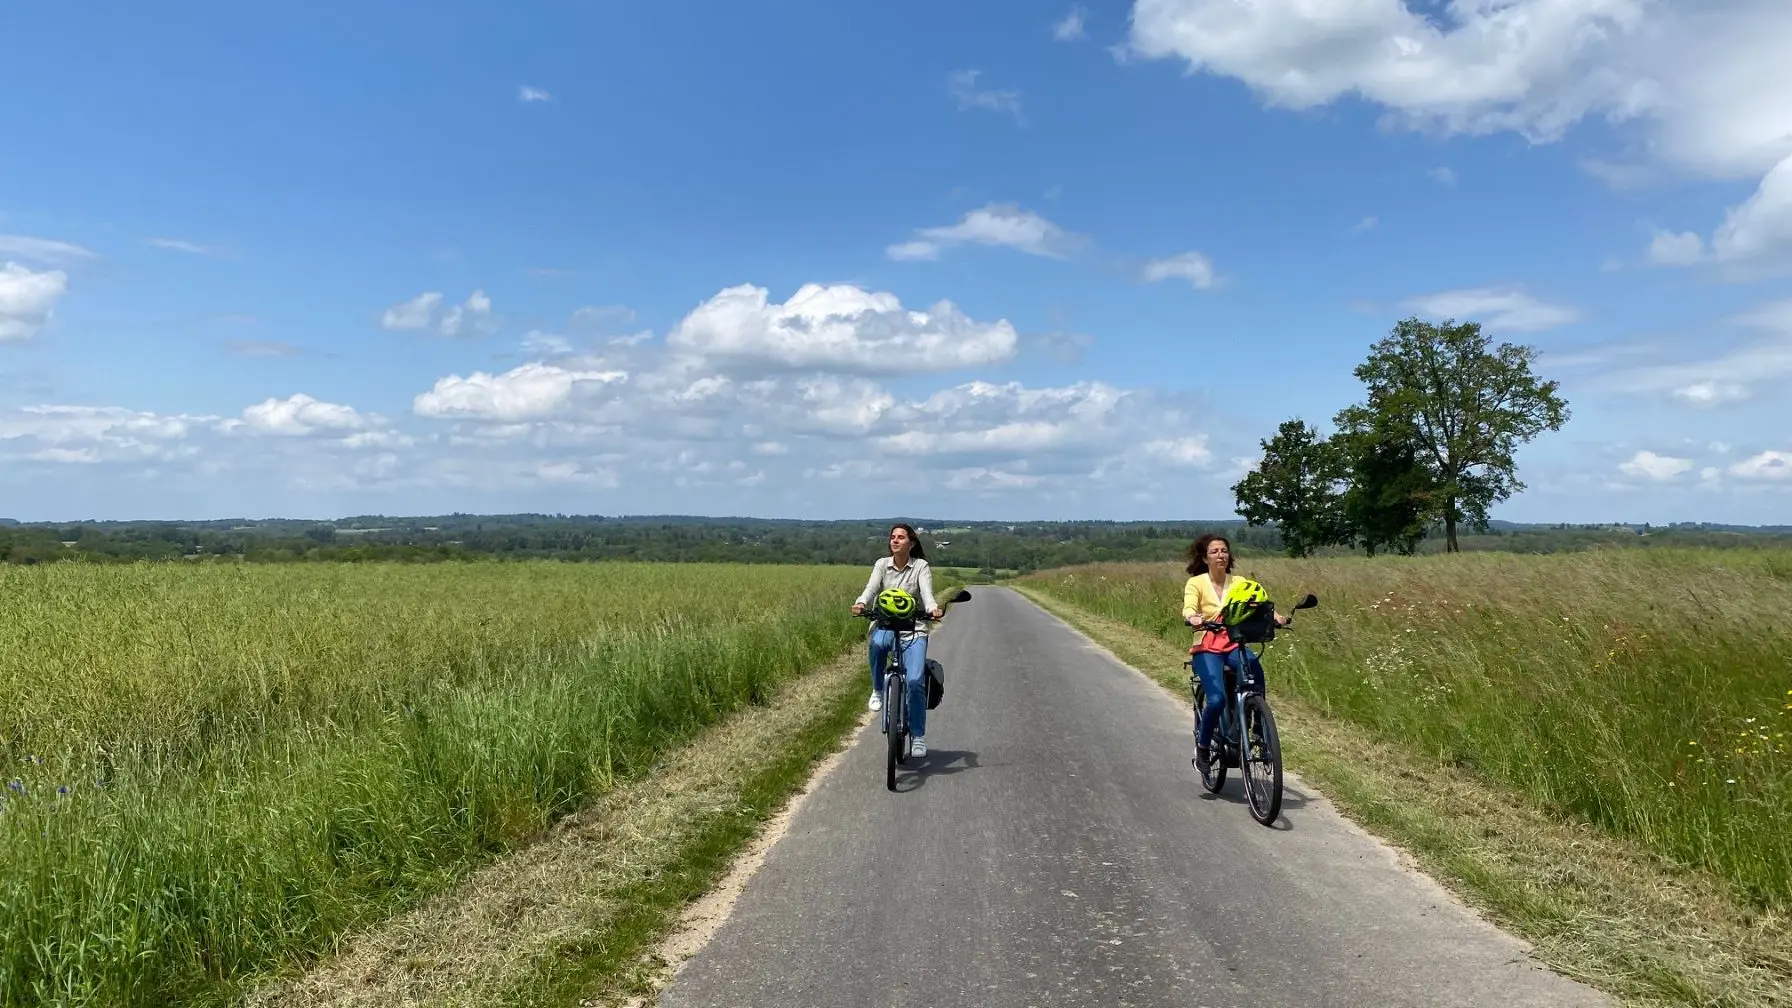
(1366, 224)
(528, 392)
(598, 317)
(525, 93)
(1669, 249)
(41, 250)
(1649, 465)
(543, 344)
(838, 328)
(1443, 176)
(27, 299)
(1716, 377)
(92, 434)
(179, 245)
(1071, 27)
(1712, 393)
(1191, 266)
(300, 415)
(471, 318)
(1709, 84)
(1496, 308)
(970, 96)
(1768, 465)
(412, 314)
(998, 224)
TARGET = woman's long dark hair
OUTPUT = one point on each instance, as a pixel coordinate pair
(914, 549)
(1197, 554)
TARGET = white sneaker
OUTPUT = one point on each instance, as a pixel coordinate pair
(917, 746)
(877, 702)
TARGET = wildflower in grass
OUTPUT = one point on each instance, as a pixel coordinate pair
(18, 786)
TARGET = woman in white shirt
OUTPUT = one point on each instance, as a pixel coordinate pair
(905, 568)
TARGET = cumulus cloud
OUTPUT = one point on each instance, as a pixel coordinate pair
(998, 224)
(27, 299)
(413, 314)
(531, 391)
(471, 318)
(964, 88)
(1193, 267)
(1773, 466)
(1496, 308)
(1707, 83)
(95, 434)
(1660, 468)
(301, 415)
(525, 93)
(838, 328)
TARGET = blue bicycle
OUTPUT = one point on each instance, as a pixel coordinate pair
(1246, 737)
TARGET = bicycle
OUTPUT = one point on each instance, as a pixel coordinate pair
(895, 713)
(1248, 707)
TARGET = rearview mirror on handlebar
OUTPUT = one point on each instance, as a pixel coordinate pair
(1309, 602)
(962, 596)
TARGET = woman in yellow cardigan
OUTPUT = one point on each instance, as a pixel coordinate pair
(1204, 596)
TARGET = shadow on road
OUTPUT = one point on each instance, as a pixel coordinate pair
(1233, 794)
(937, 763)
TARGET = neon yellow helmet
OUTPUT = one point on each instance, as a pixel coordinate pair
(1242, 599)
(896, 604)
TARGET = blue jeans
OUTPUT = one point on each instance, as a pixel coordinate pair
(914, 667)
(1211, 667)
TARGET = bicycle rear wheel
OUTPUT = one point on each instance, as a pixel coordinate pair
(1213, 778)
(895, 725)
(1261, 761)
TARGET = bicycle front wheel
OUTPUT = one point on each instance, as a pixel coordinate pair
(895, 725)
(1262, 760)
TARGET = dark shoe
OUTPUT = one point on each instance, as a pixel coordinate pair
(1203, 758)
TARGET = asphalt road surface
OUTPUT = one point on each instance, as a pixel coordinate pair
(1056, 848)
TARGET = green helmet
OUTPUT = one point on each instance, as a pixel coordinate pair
(896, 604)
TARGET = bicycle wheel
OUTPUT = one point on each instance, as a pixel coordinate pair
(895, 725)
(1262, 760)
(1214, 777)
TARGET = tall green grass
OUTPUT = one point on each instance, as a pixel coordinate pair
(211, 772)
(1647, 692)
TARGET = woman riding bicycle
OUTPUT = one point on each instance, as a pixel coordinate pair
(905, 568)
(1210, 588)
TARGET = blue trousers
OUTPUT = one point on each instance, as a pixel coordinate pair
(914, 666)
(1211, 667)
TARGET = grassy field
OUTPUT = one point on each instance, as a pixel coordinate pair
(213, 772)
(1647, 693)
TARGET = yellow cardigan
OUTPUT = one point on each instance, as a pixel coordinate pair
(1198, 596)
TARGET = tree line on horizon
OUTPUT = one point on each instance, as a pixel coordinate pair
(1431, 448)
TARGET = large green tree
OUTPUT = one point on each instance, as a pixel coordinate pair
(1299, 486)
(1470, 407)
(1391, 498)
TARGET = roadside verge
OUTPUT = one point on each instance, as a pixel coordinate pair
(577, 918)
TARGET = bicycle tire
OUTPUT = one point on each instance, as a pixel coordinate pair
(1214, 777)
(895, 726)
(1265, 797)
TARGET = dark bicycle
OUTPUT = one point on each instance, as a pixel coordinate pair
(1256, 749)
(895, 713)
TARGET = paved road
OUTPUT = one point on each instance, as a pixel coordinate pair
(1057, 849)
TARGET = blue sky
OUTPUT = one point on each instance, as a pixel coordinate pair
(1021, 260)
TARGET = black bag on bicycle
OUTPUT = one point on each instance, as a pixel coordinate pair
(935, 675)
